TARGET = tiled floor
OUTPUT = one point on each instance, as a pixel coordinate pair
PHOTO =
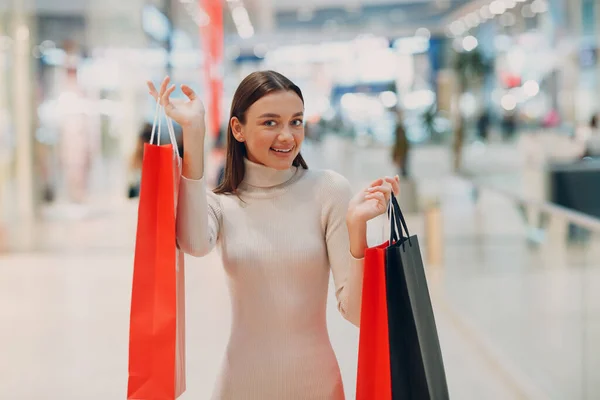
(515, 322)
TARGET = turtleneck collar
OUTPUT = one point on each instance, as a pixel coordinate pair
(265, 177)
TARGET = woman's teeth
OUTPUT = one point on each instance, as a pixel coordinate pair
(281, 150)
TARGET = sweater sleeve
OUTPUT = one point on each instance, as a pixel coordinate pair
(347, 271)
(198, 217)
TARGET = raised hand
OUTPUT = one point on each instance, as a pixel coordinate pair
(373, 201)
(186, 112)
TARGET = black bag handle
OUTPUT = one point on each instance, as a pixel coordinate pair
(400, 215)
(397, 222)
(395, 234)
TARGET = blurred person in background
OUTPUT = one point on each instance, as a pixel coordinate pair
(76, 146)
(281, 230)
(137, 158)
(135, 165)
(77, 143)
(401, 146)
(551, 119)
(483, 124)
(592, 143)
(509, 125)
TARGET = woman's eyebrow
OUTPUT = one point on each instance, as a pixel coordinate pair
(271, 115)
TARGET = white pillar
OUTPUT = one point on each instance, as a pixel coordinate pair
(22, 90)
(265, 16)
(5, 147)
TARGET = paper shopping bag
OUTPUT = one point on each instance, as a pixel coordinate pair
(373, 375)
(416, 364)
(157, 321)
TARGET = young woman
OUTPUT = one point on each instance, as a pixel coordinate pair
(280, 228)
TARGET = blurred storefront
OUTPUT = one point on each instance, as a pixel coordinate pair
(355, 87)
(73, 97)
(543, 58)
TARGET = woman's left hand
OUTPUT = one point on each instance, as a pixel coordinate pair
(373, 201)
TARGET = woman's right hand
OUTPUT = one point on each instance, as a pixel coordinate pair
(186, 112)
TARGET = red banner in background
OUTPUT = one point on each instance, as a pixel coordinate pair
(212, 39)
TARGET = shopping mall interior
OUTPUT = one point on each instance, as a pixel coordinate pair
(488, 111)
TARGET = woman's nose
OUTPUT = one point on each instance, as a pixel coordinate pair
(285, 134)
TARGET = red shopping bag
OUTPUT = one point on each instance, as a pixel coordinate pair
(157, 322)
(373, 377)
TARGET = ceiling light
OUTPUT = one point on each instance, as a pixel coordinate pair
(485, 12)
(531, 88)
(508, 19)
(424, 33)
(472, 19)
(508, 102)
(539, 6)
(497, 7)
(457, 28)
(469, 43)
(260, 50)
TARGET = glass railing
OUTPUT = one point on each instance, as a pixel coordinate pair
(523, 279)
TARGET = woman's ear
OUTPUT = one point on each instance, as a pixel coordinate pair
(236, 129)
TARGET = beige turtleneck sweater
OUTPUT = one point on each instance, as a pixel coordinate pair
(277, 246)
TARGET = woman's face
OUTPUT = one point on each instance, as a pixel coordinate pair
(274, 129)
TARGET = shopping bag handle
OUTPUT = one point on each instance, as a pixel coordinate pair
(397, 222)
(394, 234)
(399, 215)
(157, 121)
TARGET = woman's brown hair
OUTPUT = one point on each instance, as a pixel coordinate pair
(251, 89)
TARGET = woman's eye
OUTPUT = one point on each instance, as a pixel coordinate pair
(297, 122)
(270, 123)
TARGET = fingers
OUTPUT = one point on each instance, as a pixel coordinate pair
(395, 182)
(188, 92)
(152, 90)
(163, 86)
(164, 100)
(375, 195)
(158, 94)
(379, 196)
(384, 187)
(376, 182)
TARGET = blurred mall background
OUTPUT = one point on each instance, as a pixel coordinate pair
(488, 110)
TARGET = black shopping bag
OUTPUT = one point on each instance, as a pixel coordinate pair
(417, 368)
